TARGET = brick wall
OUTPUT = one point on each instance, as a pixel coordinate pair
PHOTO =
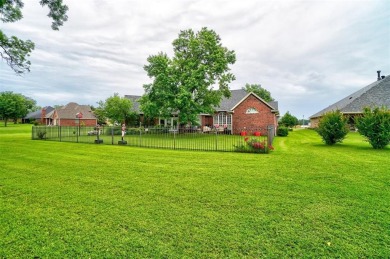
(43, 115)
(262, 119)
(75, 122)
(314, 122)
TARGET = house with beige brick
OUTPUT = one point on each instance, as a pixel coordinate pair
(376, 94)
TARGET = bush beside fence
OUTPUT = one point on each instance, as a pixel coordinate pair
(250, 140)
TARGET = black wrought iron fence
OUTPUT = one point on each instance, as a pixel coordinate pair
(210, 139)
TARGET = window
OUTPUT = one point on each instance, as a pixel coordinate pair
(223, 119)
(251, 111)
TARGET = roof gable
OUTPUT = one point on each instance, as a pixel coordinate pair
(257, 97)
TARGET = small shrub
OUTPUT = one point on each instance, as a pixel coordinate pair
(333, 127)
(375, 126)
(282, 131)
(41, 134)
(253, 145)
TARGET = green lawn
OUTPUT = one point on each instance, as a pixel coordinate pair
(160, 139)
(304, 199)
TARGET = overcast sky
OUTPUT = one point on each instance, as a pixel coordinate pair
(308, 54)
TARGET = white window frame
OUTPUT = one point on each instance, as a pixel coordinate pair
(223, 118)
(251, 110)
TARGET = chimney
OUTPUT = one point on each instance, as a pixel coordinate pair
(43, 115)
(379, 75)
(383, 77)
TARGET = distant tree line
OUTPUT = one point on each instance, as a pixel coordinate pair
(14, 106)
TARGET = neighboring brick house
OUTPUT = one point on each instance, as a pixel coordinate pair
(241, 110)
(38, 116)
(71, 114)
(376, 94)
(250, 112)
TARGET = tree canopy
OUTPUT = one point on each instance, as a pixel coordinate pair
(288, 120)
(14, 106)
(117, 109)
(14, 51)
(193, 81)
(259, 91)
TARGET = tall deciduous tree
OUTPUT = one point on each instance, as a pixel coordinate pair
(193, 81)
(259, 91)
(14, 106)
(14, 50)
(117, 109)
(288, 120)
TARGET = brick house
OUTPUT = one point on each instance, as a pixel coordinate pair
(241, 110)
(71, 114)
(38, 116)
(376, 94)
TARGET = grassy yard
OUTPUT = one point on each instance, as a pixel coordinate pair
(169, 140)
(304, 199)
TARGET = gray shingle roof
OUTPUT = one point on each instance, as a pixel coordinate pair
(134, 99)
(37, 114)
(373, 95)
(227, 104)
(70, 110)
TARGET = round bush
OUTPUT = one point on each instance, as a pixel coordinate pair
(375, 126)
(333, 127)
(282, 131)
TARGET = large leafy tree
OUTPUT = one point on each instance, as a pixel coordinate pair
(259, 91)
(288, 120)
(117, 109)
(14, 106)
(193, 81)
(15, 51)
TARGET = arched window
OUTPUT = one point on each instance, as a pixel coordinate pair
(251, 111)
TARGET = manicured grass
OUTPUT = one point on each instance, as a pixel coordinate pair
(304, 199)
(161, 139)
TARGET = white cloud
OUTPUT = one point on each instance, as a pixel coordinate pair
(307, 53)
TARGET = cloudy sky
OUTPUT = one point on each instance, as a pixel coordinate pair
(308, 54)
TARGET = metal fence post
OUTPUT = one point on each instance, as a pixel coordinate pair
(112, 135)
(140, 138)
(216, 139)
(174, 138)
